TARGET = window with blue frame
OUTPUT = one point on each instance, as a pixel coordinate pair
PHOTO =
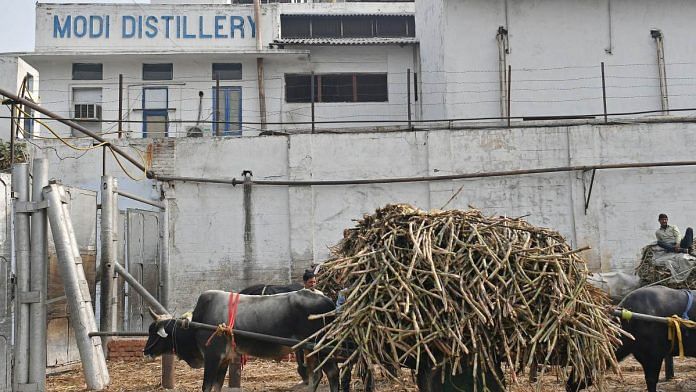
(227, 111)
(155, 111)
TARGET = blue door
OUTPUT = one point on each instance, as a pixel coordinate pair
(155, 112)
(230, 111)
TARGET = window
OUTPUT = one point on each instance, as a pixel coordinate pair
(357, 26)
(295, 26)
(28, 121)
(326, 26)
(371, 87)
(336, 87)
(87, 71)
(340, 87)
(87, 109)
(155, 111)
(158, 71)
(392, 26)
(227, 71)
(347, 26)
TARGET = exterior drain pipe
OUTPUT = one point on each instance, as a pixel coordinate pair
(661, 69)
(259, 66)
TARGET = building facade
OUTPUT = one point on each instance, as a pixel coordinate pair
(170, 69)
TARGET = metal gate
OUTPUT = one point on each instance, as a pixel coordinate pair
(6, 287)
(61, 346)
(142, 249)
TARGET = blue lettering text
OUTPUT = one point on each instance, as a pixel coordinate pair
(63, 31)
(237, 23)
(219, 26)
(151, 28)
(128, 26)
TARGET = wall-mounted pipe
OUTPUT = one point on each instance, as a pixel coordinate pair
(502, 39)
(661, 69)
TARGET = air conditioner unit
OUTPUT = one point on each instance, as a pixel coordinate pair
(88, 111)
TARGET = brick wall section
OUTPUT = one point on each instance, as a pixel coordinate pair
(126, 349)
(163, 156)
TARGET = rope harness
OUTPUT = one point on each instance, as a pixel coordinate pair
(226, 329)
(674, 324)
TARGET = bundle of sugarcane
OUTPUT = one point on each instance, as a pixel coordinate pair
(650, 273)
(463, 291)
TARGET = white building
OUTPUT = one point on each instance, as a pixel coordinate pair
(168, 56)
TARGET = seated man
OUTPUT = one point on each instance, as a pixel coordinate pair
(669, 238)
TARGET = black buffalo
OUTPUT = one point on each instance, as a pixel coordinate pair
(651, 344)
(281, 315)
(270, 289)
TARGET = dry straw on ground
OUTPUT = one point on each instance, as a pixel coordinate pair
(458, 290)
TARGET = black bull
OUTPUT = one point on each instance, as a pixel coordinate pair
(282, 315)
(651, 344)
(270, 289)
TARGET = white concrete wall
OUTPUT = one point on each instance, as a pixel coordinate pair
(556, 48)
(291, 227)
(12, 72)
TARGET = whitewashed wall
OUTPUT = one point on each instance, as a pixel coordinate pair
(556, 48)
(291, 227)
(12, 72)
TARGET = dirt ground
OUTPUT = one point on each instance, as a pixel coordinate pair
(265, 376)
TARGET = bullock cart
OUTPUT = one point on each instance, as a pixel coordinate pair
(459, 296)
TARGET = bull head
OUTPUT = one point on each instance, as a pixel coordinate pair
(157, 317)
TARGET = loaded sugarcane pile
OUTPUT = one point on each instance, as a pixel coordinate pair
(460, 290)
(650, 273)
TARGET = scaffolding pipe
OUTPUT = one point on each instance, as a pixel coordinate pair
(108, 255)
(140, 199)
(20, 188)
(464, 176)
(76, 290)
(39, 272)
(147, 297)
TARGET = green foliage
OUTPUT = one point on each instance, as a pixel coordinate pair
(21, 154)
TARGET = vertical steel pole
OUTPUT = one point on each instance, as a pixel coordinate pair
(120, 106)
(107, 256)
(168, 379)
(604, 97)
(20, 187)
(39, 271)
(311, 94)
(408, 95)
(76, 291)
(217, 105)
(509, 93)
(12, 134)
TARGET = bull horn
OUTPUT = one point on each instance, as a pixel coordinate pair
(154, 315)
(161, 332)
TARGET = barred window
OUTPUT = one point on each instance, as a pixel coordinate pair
(337, 87)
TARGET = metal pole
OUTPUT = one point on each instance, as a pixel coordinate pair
(76, 291)
(39, 272)
(168, 379)
(78, 127)
(311, 94)
(147, 297)
(108, 255)
(604, 95)
(217, 105)
(12, 135)
(120, 106)
(408, 95)
(140, 199)
(20, 187)
(509, 93)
